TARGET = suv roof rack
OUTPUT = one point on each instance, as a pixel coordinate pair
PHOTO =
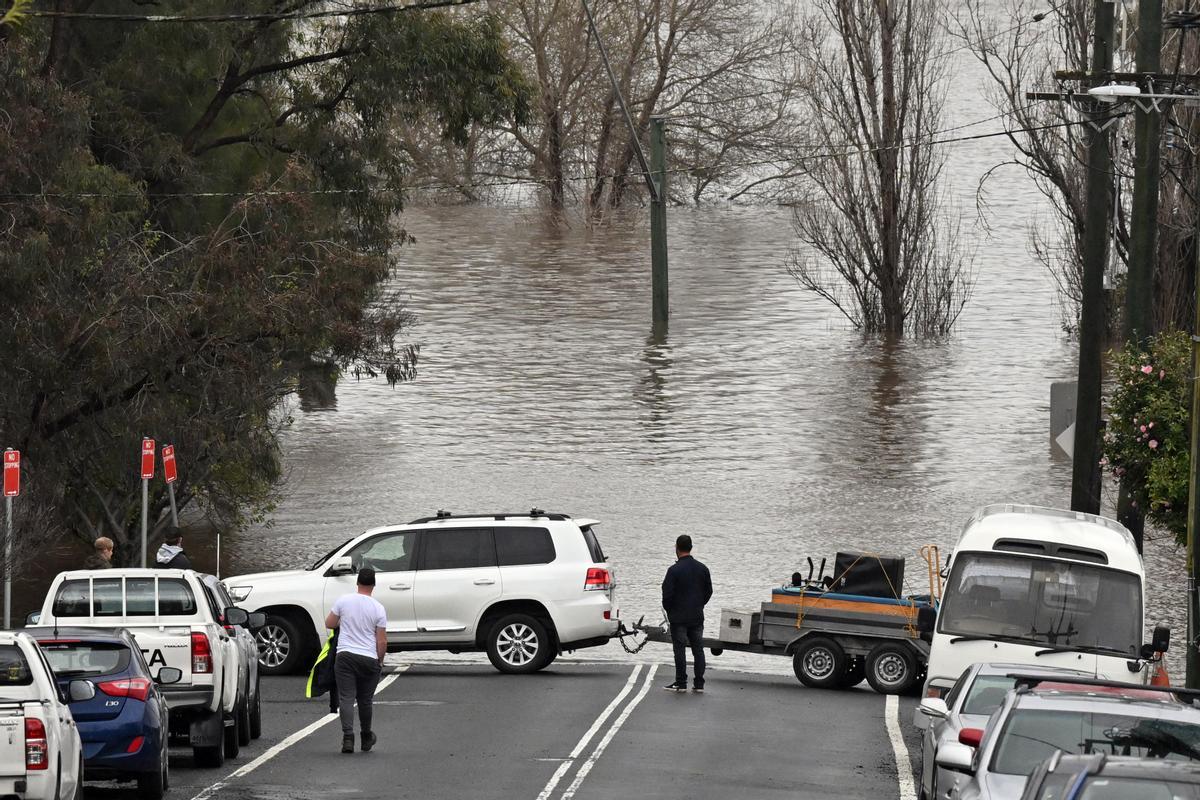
(1026, 682)
(532, 513)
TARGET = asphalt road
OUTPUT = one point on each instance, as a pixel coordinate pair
(453, 729)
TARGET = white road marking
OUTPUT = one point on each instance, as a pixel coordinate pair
(286, 743)
(904, 775)
(612, 731)
(587, 737)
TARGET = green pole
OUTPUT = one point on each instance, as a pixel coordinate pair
(658, 222)
(1085, 469)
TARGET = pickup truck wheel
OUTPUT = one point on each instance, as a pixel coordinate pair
(820, 663)
(518, 644)
(280, 646)
(256, 711)
(209, 756)
(891, 669)
(243, 725)
(233, 736)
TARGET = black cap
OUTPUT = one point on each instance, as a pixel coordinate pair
(366, 576)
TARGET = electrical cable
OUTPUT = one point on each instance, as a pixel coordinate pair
(423, 5)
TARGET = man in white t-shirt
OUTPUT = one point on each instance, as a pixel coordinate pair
(362, 643)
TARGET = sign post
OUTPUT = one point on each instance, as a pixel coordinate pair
(147, 474)
(12, 488)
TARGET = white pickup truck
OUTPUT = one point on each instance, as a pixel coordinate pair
(178, 622)
(41, 757)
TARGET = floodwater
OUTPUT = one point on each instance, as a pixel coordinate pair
(761, 424)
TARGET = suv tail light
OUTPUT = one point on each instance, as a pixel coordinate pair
(201, 653)
(598, 579)
(137, 688)
(36, 751)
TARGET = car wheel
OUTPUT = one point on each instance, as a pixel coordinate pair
(518, 644)
(819, 662)
(280, 646)
(891, 668)
(256, 711)
(233, 737)
(209, 756)
(153, 785)
(243, 725)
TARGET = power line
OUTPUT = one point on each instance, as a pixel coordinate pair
(573, 178)
(263, 17)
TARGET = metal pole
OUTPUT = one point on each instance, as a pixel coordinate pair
(1085, 469)
(8, 537)
(174, 513)
(145, 515)
(1193, 519)
(658, 222)
(1143, 246)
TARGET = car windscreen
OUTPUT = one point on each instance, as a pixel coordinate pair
(14, 669)
(1030, 736)
(986, 694)
(1040, 601)
(1101, 788)
(84, 659)
(329, 555)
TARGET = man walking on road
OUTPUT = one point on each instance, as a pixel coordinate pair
(361, 645)
(686, 589)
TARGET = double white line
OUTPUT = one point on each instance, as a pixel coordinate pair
(591, 760)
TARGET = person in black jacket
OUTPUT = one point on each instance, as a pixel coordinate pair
(170, 555)
(685, 590)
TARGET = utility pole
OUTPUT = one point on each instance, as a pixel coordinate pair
(1143, 245)
(1193, 516)
(1085, 469)
(658, 222)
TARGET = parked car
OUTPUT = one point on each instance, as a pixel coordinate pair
(978, 692)
(250, 726)
(1041, 717)
(1100, 776)
(178, 623)
(123, 726)
(41, 757)
(523, 587)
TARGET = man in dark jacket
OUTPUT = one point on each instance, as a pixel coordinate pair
(685, 590)
(170, 555)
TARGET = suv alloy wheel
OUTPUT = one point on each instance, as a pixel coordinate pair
(519, 643)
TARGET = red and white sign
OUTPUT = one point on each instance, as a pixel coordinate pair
(168, 455)
(147, 459)
(12, 473)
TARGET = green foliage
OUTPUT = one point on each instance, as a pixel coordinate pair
(192, 214)
(1148, 438)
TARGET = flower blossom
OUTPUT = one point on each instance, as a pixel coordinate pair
(1147, 369)
(1153, 444)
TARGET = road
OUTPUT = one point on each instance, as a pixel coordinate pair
(580, 729)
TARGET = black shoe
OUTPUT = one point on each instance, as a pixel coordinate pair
(368, 741)
(348, 743)
(698, 688)
(676, 687)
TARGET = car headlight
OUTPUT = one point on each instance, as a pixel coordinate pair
(239, 593)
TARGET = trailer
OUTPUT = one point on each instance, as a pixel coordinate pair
(838, 630)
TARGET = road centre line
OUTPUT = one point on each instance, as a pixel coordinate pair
(612, 731)
(904, 774)
(288, 742)
(565, 766)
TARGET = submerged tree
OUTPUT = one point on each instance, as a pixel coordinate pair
(879, 242)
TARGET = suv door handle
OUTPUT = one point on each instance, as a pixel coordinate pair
(484, 581)
(400, 586)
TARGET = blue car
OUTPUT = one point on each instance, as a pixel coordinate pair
(124, 727)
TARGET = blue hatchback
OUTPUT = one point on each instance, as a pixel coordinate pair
(124, 726)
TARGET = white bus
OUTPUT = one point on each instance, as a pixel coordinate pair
(1044, 587)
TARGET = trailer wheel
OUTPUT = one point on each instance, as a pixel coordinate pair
(891, 668)
(819, 662)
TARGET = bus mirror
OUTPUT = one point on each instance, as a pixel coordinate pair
(1162, 638)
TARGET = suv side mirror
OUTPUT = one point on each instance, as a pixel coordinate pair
(168, 675)
(257, 620)
(955, 757)
(236, 616)
(934, 707)
(33, 618)
(78, 691)
(341, 566)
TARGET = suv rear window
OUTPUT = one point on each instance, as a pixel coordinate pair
(516, 546)
(75, 597)
(76, 659)
(14, 669)
(593, 545)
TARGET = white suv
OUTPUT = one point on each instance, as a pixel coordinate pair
(524, 587)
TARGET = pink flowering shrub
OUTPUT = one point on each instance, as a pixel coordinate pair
(1147, 434)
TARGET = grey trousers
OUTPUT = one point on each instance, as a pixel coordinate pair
(357, 676)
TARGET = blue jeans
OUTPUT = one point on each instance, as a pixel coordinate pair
(681, 637)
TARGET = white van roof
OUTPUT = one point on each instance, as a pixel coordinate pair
(1059, 526)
